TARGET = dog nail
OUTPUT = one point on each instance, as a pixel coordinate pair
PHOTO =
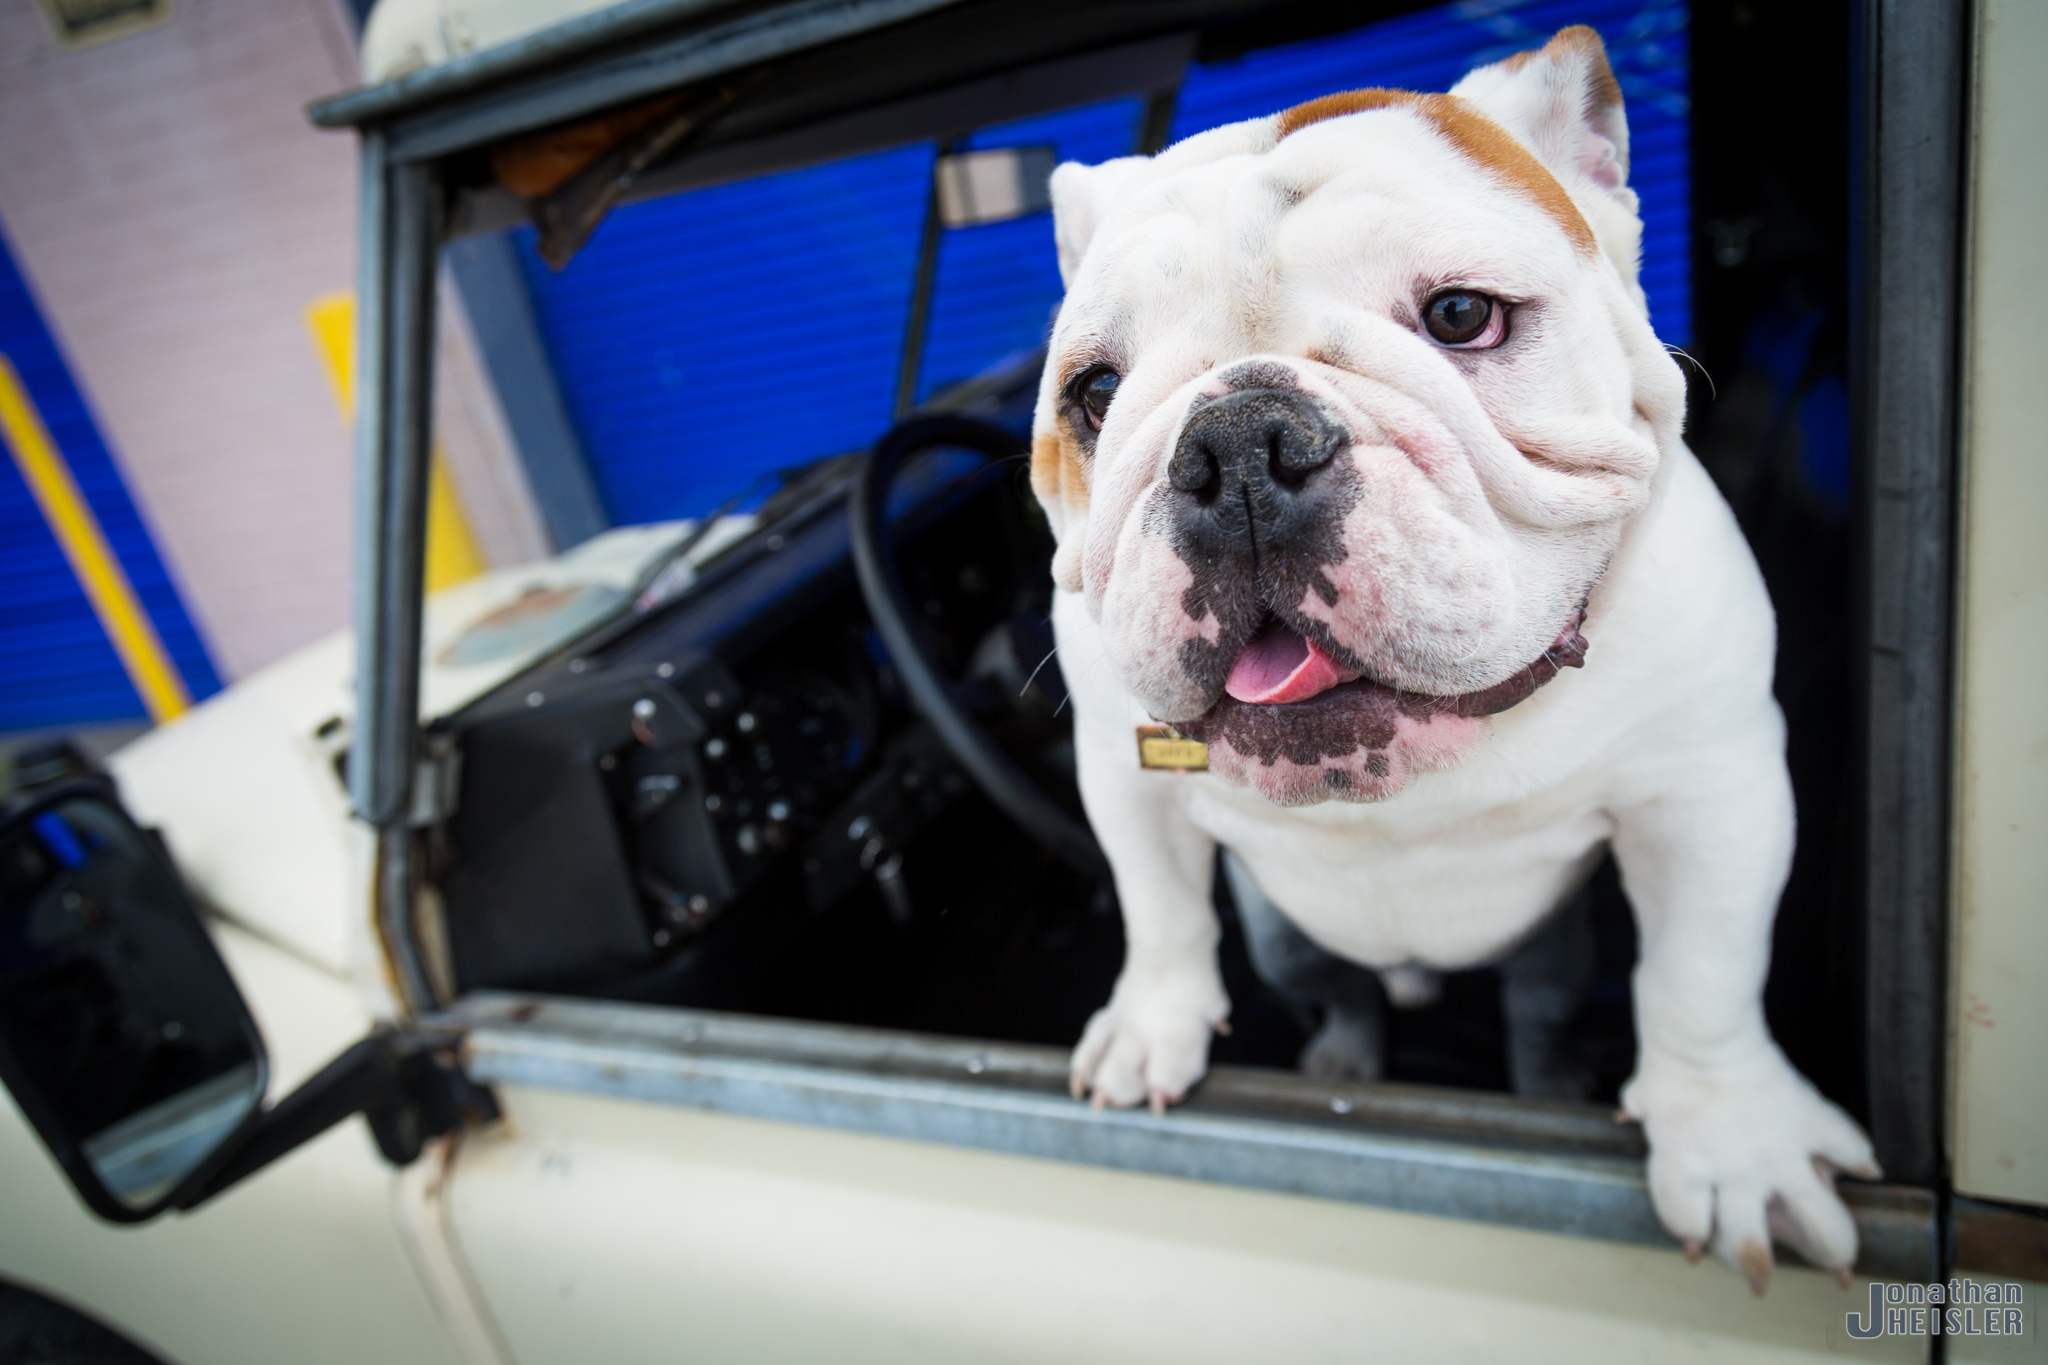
(1222, 1026)
(1622, 1116)
(1098, 1101)
(1755, 1263)
(1843, 1276)
(1692, 1251)
(1158, 1104)
(1076, 1086)
(1869, 1170)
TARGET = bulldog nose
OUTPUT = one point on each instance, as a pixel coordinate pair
(1254, 439)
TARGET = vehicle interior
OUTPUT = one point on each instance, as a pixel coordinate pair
(726, 798)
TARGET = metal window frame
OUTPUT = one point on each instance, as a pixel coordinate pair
(1542, 1165)
(1913, 67)
(1501, 1160)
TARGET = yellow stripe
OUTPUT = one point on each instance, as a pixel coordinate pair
(99, 573)
(452, 554)
(331, 319)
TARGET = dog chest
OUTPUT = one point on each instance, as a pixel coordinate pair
(1382, 885)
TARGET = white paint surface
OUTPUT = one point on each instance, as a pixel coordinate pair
(404, 36)
(603, 1230)
(1999, 1000)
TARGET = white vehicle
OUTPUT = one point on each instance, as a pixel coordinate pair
(549, 877)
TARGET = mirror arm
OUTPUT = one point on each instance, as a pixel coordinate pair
(406, 1086)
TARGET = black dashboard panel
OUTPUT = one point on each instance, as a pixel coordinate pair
(646, 814)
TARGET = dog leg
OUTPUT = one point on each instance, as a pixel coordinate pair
(1340, 1002)
(1737, 1137)
(1543, 986)
(1150, 1043)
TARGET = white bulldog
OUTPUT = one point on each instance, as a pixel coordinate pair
(1365, 467)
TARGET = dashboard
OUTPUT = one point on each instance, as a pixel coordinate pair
(670, 806)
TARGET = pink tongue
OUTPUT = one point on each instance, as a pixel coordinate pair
(1280, 665)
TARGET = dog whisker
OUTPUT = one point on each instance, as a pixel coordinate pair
(1101, 657)
(1036, 671)
(1689, 357)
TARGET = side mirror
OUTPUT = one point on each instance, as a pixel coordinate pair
(127, 1045)
(122, 1035)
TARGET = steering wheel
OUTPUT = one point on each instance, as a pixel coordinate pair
(874, 562)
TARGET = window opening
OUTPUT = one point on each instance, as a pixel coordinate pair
(704, 338)
(975, 936)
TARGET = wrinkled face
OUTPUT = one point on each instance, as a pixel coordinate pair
(1344, 419)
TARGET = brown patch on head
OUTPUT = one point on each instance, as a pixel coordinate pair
(1057, 469)
(1475, 135)
(1343, 102)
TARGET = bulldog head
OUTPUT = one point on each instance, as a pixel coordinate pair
(1347, 410)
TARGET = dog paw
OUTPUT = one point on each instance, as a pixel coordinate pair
(1744, 1154)
(1150, 1043)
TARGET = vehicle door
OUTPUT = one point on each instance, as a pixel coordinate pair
(675, 1183)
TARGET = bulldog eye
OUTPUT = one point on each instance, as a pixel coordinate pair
(1459, 317)
(1097, 389)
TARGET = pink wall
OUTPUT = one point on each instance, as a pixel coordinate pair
(174, 213)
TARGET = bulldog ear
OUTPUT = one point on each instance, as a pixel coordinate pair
(1563, 103)
(1081, 196)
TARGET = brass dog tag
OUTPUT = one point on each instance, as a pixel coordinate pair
(1161, 748)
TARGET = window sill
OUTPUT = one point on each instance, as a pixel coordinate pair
(1543, 1165)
